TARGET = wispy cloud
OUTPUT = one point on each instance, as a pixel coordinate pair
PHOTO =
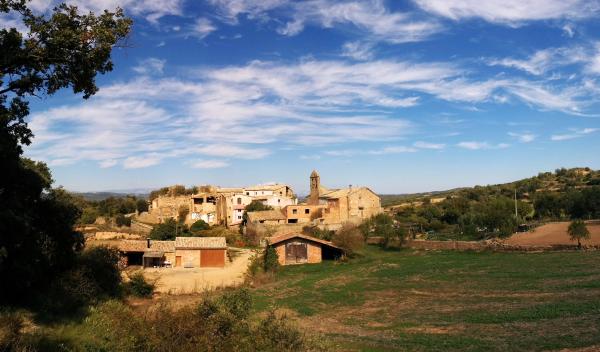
(358, 50)
(150, 66)
(471, 145)
(511, 12)
(138, 162)
(371, 17)
(427, 145)
(208, 164)
(202, 28)
(523, 137)
(574, 133)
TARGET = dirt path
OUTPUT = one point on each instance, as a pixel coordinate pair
(194, 280)
(554, 233)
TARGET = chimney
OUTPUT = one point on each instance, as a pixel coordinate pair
(147, 243)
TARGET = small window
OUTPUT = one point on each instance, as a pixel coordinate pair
(239, 201)
(239, 218)
(306, 211)
(247, 193)
(278, 200)
(294, 211)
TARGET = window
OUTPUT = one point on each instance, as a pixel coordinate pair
(247, 193)
(278, 200)
(294, 211)
(239, 201)
(239, 217)
(307, 211)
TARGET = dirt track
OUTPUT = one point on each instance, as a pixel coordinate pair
(554, 233)
(194, 280)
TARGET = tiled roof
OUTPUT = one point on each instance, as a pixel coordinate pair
(142, 246)
(132, 245)
(284, 237)
(266, 187)
(200, 242)
(266, 215)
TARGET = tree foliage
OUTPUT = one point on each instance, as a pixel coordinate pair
(66, 49)
(578, 231)
(349, 238)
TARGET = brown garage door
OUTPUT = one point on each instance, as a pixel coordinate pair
(296, 252)
(212, 257)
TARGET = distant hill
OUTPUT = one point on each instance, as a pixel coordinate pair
(558, 181)
(98, 196)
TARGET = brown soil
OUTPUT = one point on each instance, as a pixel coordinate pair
(553, 234)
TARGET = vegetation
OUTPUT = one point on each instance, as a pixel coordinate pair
(216, 324)
(485, 212)
(139, 286)
(404, 300)
(578, 231)
(173, 191)
(198, 226)
(167, 230)
(349, 238)
(384, 226)
(270, 260)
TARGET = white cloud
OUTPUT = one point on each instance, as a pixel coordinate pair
(426, 145)
(575, 133)
(203, 27)
(371, 17)
(150, 66)
(481, 145)
(138, 162)
(548, 59)
(107, 163)
(511, 12)
(523, 137)
(208, 164)
(224, 150)
(358, 50)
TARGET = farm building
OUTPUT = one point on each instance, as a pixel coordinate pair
(187, 252)
(296, 248)
(147, 253)
(192, 252)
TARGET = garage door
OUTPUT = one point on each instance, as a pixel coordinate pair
(212, 258)
(296, 252)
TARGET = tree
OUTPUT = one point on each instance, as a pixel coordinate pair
(383, 225)
(122, 220)
(578, 231)
(164, 231)
(36, 222)
(270, 259)
(255, 205)
(141, 205)
(198, 226)
(349, 238)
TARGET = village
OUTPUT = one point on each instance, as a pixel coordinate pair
(190, 263)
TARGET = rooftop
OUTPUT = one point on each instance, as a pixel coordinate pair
(200, 242)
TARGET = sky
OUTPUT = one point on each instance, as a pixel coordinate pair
(400, 96)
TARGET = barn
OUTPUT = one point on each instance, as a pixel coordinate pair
(194, 252)
(297, 248)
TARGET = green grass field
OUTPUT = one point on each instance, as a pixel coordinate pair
(445, 301)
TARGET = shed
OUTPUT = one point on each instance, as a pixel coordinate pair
(193, 252)
(297, 248)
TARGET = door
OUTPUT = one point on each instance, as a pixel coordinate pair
(212, 258)
(178, 261)
(296, 252)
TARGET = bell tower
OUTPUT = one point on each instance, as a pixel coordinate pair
(315, 185)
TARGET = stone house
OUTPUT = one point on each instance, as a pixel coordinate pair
(267, 217)
(187, 252)
(297, 248)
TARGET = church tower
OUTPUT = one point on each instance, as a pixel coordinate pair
(315, 185)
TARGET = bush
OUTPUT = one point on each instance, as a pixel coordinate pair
(165, 231)
(122, 220)
(94, 277)
(349, 238)
(198, 226)
(138, 286)
(270, 259)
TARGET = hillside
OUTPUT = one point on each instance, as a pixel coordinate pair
(559, 181)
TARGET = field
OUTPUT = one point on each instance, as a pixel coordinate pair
(445, 301)
(554, 233)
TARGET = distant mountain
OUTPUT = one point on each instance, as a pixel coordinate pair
(98, 196)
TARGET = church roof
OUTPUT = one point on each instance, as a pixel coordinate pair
(314, 173)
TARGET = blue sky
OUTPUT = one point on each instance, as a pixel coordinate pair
(400, 96)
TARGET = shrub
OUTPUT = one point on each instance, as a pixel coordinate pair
(139, 286)
(270, 259)
(122, 220)
(199, 225)
(349, 238)
(164, 231)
